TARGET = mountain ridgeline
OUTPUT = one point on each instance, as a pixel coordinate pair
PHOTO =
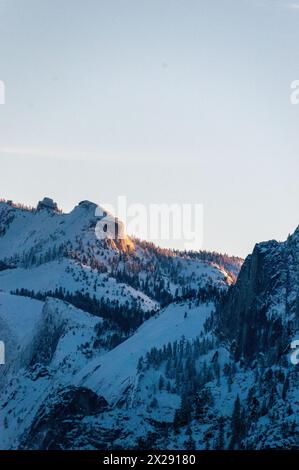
(125, 345)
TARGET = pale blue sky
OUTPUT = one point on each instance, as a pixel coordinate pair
(160, 100)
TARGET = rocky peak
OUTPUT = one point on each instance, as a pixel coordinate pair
(47, 203)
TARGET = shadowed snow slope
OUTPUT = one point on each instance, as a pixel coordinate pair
(19, 316)
(115, 372)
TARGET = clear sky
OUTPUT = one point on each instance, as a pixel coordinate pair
(164, 101)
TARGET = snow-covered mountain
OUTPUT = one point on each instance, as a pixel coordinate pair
(112, 343)
(46, 252)
(58, 352)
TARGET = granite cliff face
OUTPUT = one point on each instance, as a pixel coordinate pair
(261, 311)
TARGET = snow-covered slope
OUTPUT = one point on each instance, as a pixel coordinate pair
(18, 321)
(48, 343)
(115, 372)
(32, 330)
(61, 351)
(19, 317)
(72, 277)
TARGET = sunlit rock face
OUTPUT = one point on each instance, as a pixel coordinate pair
(113, 230)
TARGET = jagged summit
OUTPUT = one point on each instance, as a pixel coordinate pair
(37, 230)
(87, 203)
(47, 203)
(295, 235)
(51, 205)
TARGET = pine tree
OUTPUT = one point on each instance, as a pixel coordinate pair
(220, 439)
(161, 382)
(154, 403)
(189, 443)
(183, 414)
(236, 425)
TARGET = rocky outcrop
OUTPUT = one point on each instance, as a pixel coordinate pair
(47, 203)
(260, 312)
(59, 420)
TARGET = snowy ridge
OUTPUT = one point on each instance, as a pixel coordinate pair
(116, 371)
(70, 276)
